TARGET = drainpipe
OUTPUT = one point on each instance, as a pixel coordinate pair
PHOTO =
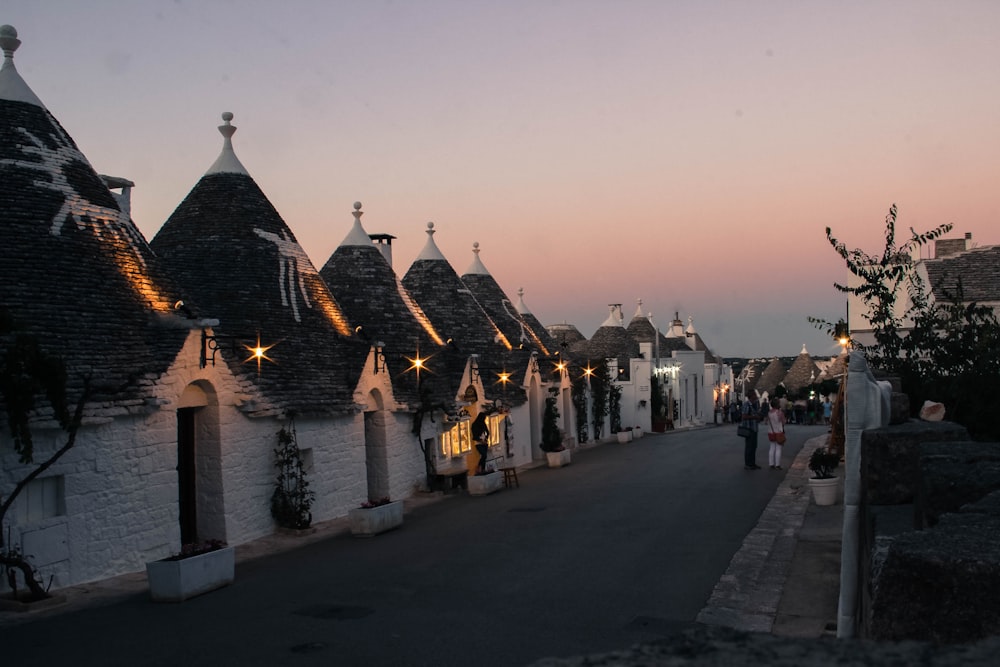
(866, 406)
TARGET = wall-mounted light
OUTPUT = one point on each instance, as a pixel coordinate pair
(379, 357)
(474, 366)
(533, 364)
(212, 343)
(417, 364)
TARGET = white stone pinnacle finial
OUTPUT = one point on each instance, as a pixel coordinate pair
(475, 247)
(520, 292)
(430, 229)
(12, 86)
(357, 211)
(227, 161)
(9, 41)
(227, 130)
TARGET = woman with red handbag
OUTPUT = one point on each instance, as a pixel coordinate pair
(776, 434)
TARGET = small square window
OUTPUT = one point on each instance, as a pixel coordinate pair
(42, 498)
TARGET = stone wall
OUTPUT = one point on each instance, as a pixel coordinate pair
(930, 548)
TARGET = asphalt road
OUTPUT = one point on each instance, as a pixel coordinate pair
(623, 546)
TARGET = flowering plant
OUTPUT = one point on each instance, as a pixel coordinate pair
(376, 503)
(197, 548)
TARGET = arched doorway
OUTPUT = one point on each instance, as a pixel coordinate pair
(535, 418)
(567, 413)
(376, 448)
(201, 504)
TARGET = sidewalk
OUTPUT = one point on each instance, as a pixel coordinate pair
(785, 579)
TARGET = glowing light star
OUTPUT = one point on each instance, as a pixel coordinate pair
(588, 371)
(258, 352)
(561, 366)
(504, 377)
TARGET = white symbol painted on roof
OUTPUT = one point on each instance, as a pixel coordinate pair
(291, 260)
(102, 220)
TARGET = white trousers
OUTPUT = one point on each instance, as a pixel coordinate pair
(774, 454)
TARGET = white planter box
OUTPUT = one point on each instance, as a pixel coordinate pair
(624, 436)
(370, 521)
(825, 490)
(558, 459)
(483, 485)
(178, 580)
(636, 433)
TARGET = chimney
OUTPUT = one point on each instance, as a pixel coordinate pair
(124, 199)
(951, 247)
(384, 243)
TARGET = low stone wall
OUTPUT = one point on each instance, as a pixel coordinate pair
(931, 544)
(951, 475)
(890, 457)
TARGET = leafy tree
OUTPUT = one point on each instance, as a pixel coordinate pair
(580, 393)
(292, 499)
(883, 278)
(954, 353)
(946, 350)
(600, 387)
(615, 407)
(27, 373)
(551, 438)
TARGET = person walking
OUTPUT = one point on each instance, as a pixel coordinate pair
(749, 418)
(776, 434)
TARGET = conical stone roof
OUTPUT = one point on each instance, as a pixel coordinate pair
(74, 270)
(499, 307)
(374, 299)
(802, 372)
(537, 330)
(230, 250)
(771, 377)
(611, 340)
(460, 319)
(565, 335)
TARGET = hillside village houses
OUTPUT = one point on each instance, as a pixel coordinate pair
(191, 352)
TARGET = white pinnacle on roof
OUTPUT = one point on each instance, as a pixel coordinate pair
(804, 350)
(690, 330)
(357, 235)
(521, 307)
(615, 316)
(227, 162)
(12, 86)
(638, 309)
(477, 267)
(430, 250)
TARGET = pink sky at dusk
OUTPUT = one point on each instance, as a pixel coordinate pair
(686, 153)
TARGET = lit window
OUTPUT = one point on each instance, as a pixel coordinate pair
(42, 498)
(457, 440)
(495, 424)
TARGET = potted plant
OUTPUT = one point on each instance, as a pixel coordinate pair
(376, 516)
(552, 444)
(824, 482)
(625, 435)
(291, 499)
(198, 568)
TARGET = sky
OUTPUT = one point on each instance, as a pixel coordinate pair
(686, 153)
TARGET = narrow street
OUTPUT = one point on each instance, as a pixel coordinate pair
(623, 546)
